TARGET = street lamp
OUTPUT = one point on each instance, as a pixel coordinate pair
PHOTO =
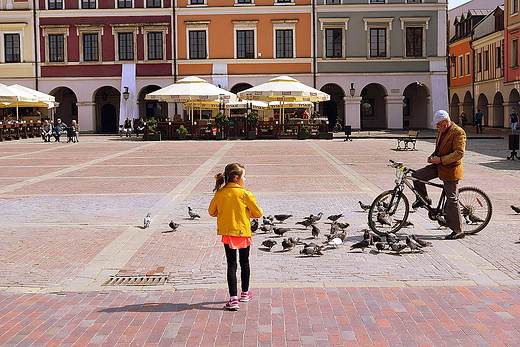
(352, 90)
(453, 59)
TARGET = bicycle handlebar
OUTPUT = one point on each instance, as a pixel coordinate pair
(399, 165)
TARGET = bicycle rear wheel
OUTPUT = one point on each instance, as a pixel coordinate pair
(476, 209)
(336, 128)
(388, 213)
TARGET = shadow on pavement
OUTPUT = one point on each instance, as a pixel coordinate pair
(165, 307)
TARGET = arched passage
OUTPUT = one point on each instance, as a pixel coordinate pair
(67, 109)
(415, 106)
(482, 105)
(107, 100)
(334, 108)
(152, 108)
(239, 87)
(373, 107)
(497, 117)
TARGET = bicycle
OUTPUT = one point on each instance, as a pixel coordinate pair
(389, 211)
(338, 126)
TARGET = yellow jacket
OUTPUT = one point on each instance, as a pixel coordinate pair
(451, 151)
(233, 206)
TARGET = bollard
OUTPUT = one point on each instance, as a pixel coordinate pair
(348, 132)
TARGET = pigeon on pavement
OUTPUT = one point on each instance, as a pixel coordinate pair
(192, 214)
(421, 242)
(365, 207)
(335, 217)
(280, 231)
(147, 220)
(315, 231)
(173, 225)
(515, 208)
(282, 217)
(269, 243)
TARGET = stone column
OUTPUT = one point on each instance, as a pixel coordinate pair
(352, 112)
(87, 116)
(394, 111)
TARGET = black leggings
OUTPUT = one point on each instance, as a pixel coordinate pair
(231, 256)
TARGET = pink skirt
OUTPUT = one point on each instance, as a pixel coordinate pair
(237, 242)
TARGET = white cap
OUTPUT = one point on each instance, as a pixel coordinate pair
(439, 116)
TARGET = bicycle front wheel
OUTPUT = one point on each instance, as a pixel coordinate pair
(388, 213)
(336, 128)
(476, 209)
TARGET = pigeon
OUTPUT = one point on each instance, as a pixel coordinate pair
(315, 231)
(287, 245)
(254, 224)
(361, 244)
(173, 225)
(473, 219)
(381, 218)
(269, 243)
(280, 231)
(266, 228)
(282, 217)
(311, 249)
(367, 235)
(147, 220)
(421, 242)
(335, 217)
(315, 218)
(334, 228)
(515, 208)
(391, 238)
(267, 220)
(341, 236)
(365, 207)
(380, 246)
(397, 247)
(342, 226)
(192, 214)
(335, 242)
(414, 246)
(407, 223)
(306, 222)
(294, 239)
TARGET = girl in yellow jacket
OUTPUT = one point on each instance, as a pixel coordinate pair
(233, 205)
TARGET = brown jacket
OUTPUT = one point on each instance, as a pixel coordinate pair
(451, 151)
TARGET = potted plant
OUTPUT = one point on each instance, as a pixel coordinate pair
(222, 121)
(304, 132)
(152, 128)
(182, 131)
(252, 118)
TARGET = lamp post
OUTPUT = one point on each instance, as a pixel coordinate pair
(221, 103)
(126, 95)
(352, 90)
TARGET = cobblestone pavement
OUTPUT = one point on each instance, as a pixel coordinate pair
(72, 220)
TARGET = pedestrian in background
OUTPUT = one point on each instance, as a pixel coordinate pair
(463, 120)
(478, 120)
(46, 131)
(514, 120)
(233, 205)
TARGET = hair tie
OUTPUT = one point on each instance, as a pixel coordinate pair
(217, 176)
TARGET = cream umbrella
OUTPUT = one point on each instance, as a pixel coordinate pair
(188, 89)
(28, 97)
(284, 89)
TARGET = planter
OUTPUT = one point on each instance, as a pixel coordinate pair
(303, 136)
(182, 136)
(220, 135)
(325, 135)
(153, 137)
(251, 135)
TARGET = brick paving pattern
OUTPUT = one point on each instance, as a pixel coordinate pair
(72, 217)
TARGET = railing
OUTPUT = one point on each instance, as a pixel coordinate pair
(15, 131)
(207, 130)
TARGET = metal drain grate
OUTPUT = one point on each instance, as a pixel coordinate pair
(136, 280)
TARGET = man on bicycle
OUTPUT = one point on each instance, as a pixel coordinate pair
(445, 163)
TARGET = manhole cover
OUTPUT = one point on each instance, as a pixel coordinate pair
(136, 280)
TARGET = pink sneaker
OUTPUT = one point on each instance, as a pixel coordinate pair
(232, 305)
(246, 296)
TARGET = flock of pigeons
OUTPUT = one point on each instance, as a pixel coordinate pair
(333, 239)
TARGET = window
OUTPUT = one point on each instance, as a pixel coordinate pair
(514, 53)
(498, 57)
(55, 4)
(461, 66)
(377, 1)
(197, 44)
(245, 44)
(284, 43)
(413, 1)
(333, 43)
(514, 6)
(283, 1)
(56, 51)
(153, 3)
(333, 2)
(126, 46)
(88, 3)
(454, 69)
(12, 48)
(124, 3)
(414, 41)
(197, 2)
(155, 46)
(479, 62)
(468, 64)
(377, 42)
(485, 61)
(90, 47)
(244, 1)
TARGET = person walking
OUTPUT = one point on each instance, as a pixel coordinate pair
(514, 120)
(478, 120)
(463, 120)
(233, 205)
(446, 164)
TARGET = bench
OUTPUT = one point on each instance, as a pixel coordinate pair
(406, 141)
